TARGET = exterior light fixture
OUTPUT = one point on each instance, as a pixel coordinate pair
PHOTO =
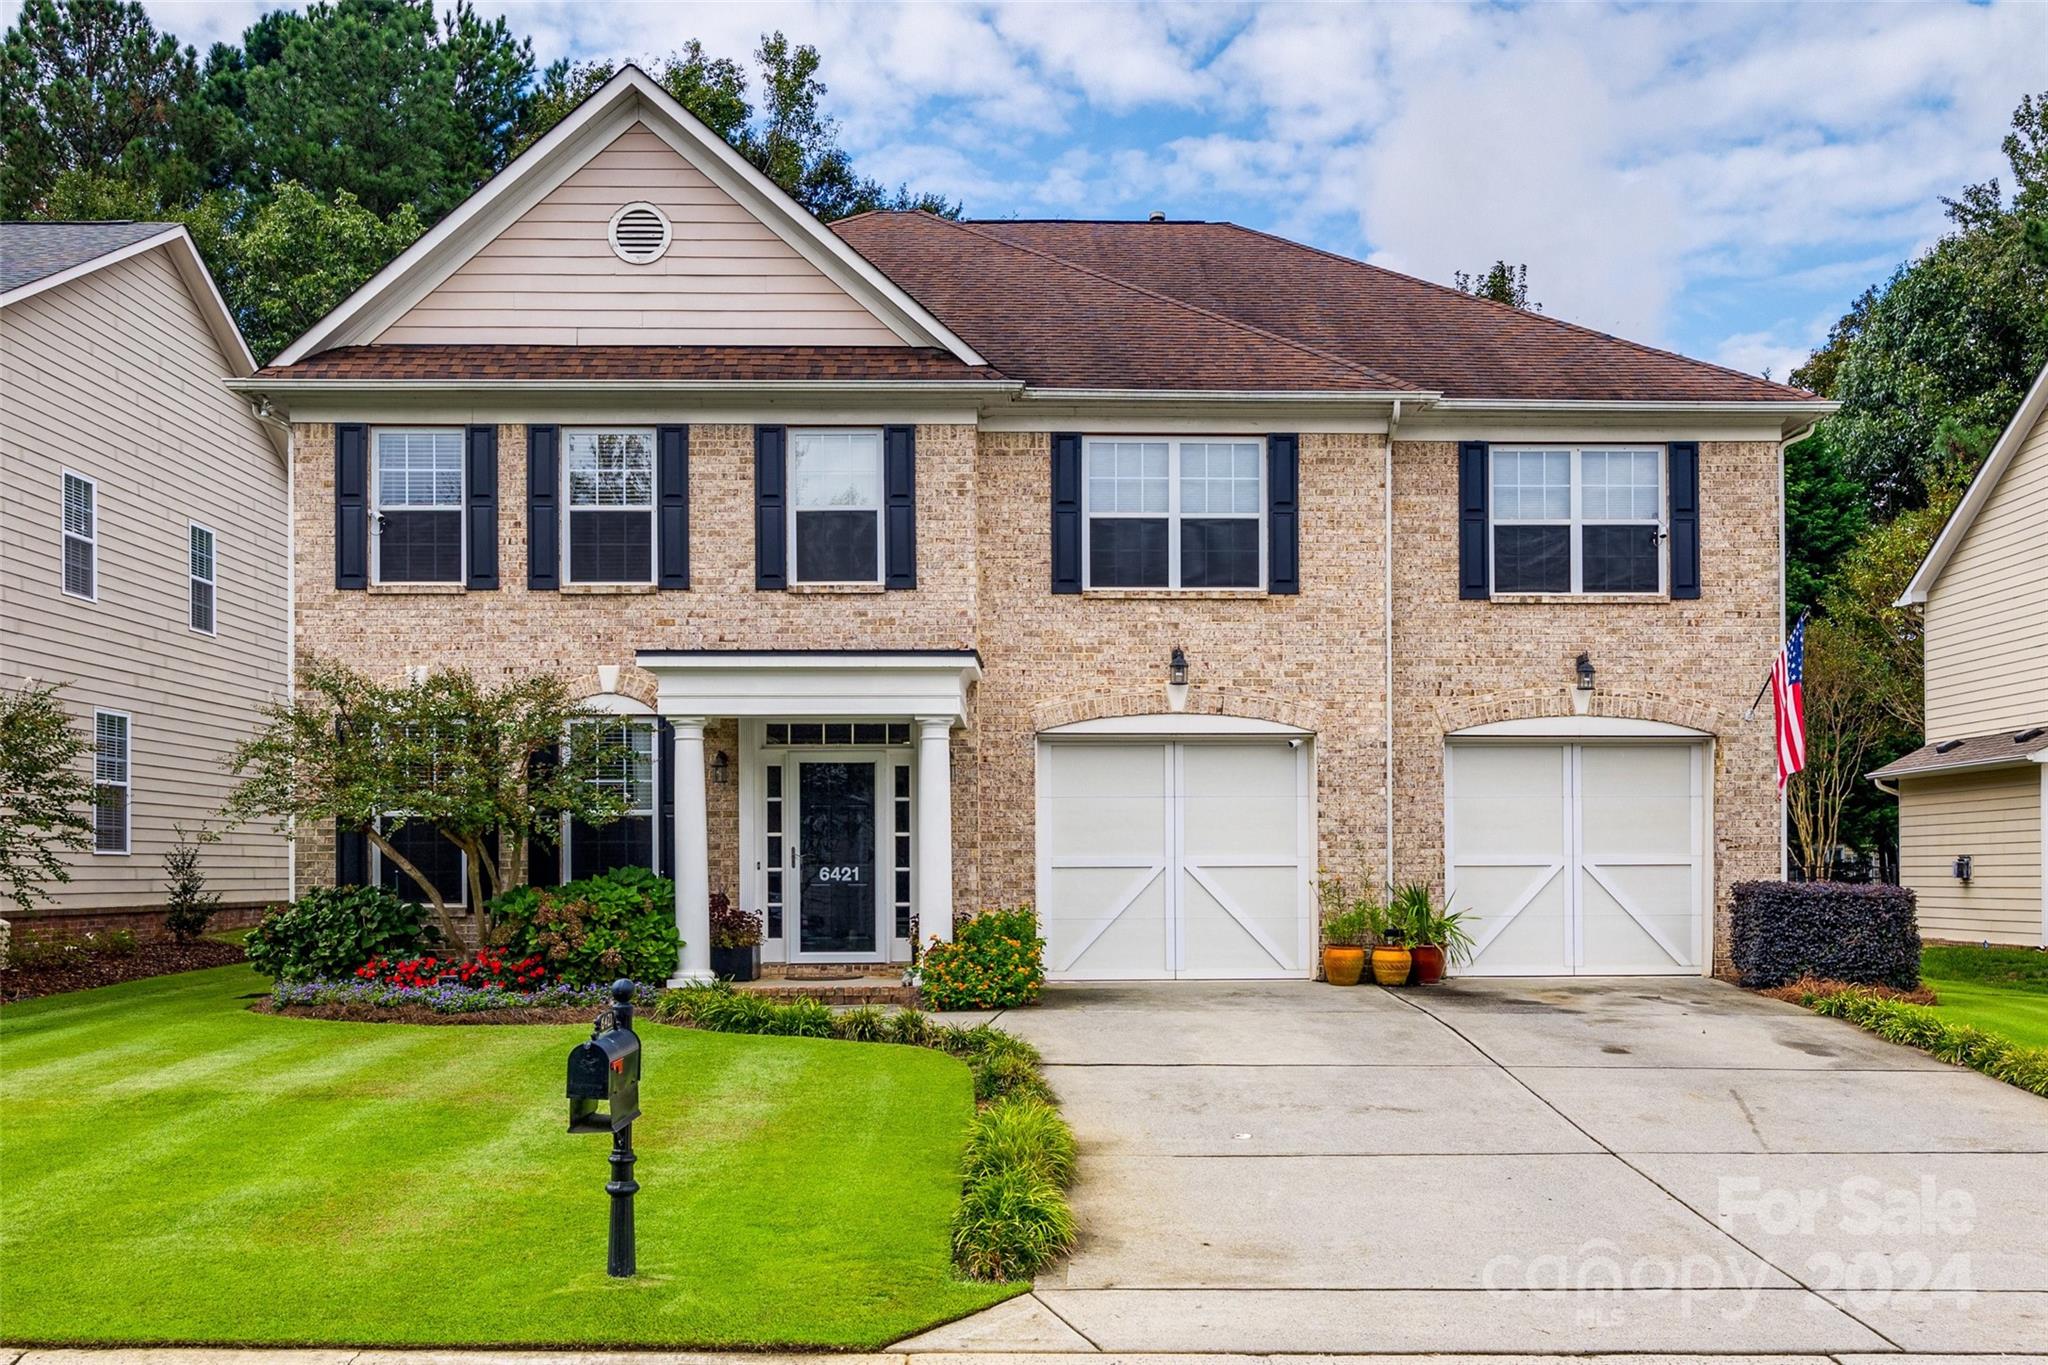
(720, 765)
(1177, 669)
(1962, 868)
(1584, 666)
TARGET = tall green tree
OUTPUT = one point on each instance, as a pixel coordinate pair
(1501, 282)
(297, 256)
(45, 792)
(1824, 515)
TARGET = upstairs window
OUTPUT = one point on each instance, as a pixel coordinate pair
(1577, 519)
(1174, 513)
(416, 522)
(110, 784)
(835, 506)
(200, 573)
(609, 480)
(81, 537)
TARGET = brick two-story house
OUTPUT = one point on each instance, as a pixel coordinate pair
(1134, 570)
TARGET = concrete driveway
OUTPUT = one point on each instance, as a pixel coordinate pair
(1614, 1165)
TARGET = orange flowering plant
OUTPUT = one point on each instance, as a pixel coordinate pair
(996, 960)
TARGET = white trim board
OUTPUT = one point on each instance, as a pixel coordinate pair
(1579, 727)
(820, 686)
(1977, 494)
(626, 99)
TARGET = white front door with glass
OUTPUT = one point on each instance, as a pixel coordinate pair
(836, 834)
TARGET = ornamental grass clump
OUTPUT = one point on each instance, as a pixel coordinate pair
(1021, 1132)
(1012, 1222)
(862, 1024)
(1910, 1025)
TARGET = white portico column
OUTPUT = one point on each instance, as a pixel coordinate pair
(934, 827)
(691, 857)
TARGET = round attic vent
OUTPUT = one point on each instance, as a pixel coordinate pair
(639, 233)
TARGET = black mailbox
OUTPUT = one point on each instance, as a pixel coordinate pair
(604, 1082)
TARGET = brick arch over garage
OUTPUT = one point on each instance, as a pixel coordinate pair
(1452, 714)
(1201, 701)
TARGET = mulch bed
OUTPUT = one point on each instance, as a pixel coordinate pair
(419, 1014)
(1796, 992)
(107, 969)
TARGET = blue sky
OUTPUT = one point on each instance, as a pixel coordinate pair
(1721, 179)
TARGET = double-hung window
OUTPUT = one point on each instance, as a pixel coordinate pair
(417, 518)
(1174, 513)
(200, 573)
(1577, 519)
(835, 505)
(81, 537)
(609, 480)
(443, 865)
(110, 782)
(628, 771)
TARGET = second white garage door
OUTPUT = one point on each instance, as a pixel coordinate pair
(1160, 859)
(1578, 858)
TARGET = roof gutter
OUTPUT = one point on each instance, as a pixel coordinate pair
(1323, 397)
(257, 384)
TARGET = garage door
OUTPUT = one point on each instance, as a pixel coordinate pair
(1173, 859)
(1578, 858)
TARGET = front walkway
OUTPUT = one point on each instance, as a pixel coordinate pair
(1288, 1167)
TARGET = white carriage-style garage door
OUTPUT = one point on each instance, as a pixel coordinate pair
(1578, 858)
(1163, 859)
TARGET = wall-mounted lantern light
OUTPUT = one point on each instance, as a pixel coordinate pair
(1177, 669)
(1962, 868)
(720, 766)
(1584, 666)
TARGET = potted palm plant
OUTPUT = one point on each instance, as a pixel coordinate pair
(735, 940)
(1436, 935)
(1391, 959)
(1345, 928)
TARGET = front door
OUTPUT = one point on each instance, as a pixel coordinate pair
(837, 912)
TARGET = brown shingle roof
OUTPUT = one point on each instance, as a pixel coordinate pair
(1019, 312)
(1977, 751)
(738, 363)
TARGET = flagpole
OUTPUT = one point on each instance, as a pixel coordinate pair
(1772, 670)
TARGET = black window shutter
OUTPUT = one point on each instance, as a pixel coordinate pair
(481, 498)
(1685, 518)
(1283, 514)
(771, 525)
(672, 505)
(351, 857)
(543, 856)
(664, 796)
(899, 499)
(543, 509)
(1066, 511)
(1473, 580)
(351, 506)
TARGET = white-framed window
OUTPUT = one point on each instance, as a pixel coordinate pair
(200, 569)
(1174, 512)
(111, 787)
(634, 773)
(416, 517)
(1577, 519)
(608, 489)
(81, 537)
(835, 505)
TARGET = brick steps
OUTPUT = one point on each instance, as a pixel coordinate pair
(857, 990)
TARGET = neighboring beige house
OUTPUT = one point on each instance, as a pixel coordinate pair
(1133, 570)
(143, 549)
(1970, 801)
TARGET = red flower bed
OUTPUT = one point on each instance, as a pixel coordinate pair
(487, 969)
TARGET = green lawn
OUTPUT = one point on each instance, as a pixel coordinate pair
(174, 1168)
(2000, 990)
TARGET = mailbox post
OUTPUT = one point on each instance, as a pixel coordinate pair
(604, 1097)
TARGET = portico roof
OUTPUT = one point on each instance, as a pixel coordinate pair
(834, 684)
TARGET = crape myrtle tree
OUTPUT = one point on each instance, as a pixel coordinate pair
(482, 765)
(45, 791)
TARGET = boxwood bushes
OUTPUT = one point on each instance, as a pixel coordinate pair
(1833, 931)
(1013, 1218)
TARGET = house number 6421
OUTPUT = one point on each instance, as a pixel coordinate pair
(839, 874)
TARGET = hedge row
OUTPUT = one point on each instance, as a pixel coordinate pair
(1833, 930)
(1918, 1026)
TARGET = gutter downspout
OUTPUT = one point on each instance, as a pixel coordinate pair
(1387, 618)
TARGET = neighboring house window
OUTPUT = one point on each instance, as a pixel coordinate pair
(110, 784)
(81, 537)
(610, 481)
(1168, 513)
(629, 842)
(1578, 519)
(201, 572)
(835, 506)
(439, 861)
(417, 518)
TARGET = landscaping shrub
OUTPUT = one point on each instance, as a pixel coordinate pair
(1021, 1132)
(1918, 1026)
(597, 929)
(995, 961)
(1004, 1074)
(332, 930)
(188, 905)
(862, 1024)
(1011, 1223)
(718, 1008)
(911, 1027)
(1863, 934)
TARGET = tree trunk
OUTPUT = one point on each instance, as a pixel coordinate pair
(405, 865)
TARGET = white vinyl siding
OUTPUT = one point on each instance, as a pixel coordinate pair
(608, 489)
(111, 793)
(199, 613)
(835, 506)
(1577, 519)
(1993, 816)
(81, 537)
(1173, 512)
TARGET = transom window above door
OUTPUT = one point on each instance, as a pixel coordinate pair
(835, 505)
(1577, 519)
(416, 517)
(608, 478)
(1166, 512)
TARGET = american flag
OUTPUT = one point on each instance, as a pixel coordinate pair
(1787, 694)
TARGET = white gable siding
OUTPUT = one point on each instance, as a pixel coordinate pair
(117, 377)
(551, 278)
(1987, 615)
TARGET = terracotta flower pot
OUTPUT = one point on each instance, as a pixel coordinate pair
(1342, 966)
(1429, 964)
(1390, 964)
